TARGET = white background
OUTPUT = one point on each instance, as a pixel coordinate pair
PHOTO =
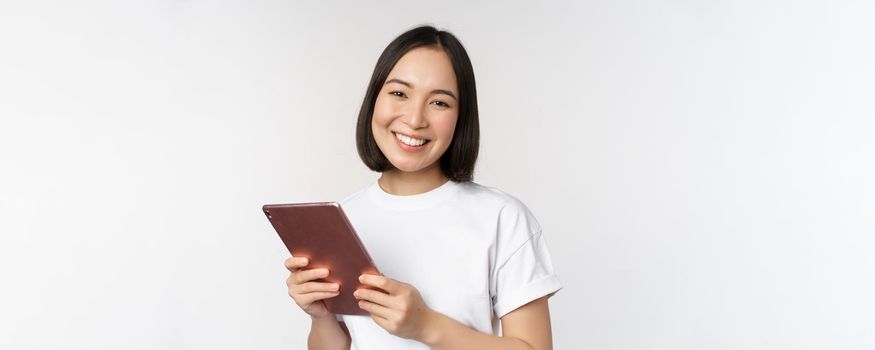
(702, 169)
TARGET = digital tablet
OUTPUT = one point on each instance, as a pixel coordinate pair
(322, 233)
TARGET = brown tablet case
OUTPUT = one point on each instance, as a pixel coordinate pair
(322, 233)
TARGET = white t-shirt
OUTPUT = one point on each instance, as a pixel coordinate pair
(474, 253)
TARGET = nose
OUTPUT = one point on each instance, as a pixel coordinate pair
(415, 117)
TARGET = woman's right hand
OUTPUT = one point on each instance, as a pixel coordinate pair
(306, 293)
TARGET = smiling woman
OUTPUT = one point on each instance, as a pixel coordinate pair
(459, 258)
(429, 70)
(415, 114)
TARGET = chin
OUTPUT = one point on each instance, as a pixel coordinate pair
(407, 166)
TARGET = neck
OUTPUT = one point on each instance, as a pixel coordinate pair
(402, 183)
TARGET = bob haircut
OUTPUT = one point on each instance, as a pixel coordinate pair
(457, 162)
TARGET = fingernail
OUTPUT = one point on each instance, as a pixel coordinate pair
(302, 260)
(335, 286)
(361, 278)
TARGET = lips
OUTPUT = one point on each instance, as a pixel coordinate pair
(410, 144)
(410, 141)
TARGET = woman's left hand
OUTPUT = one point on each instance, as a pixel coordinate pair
(401, 311)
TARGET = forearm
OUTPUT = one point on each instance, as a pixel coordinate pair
(448, 333)
(326, 334)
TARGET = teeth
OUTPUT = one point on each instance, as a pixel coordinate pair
(409, 140)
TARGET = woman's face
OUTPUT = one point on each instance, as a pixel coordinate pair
(416, 110)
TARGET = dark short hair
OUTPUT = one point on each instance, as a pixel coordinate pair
(457, 162)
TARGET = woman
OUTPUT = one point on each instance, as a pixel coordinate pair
(457, 256)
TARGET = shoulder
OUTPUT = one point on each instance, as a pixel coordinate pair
(354, 197)
(510, 209)
(491, 195)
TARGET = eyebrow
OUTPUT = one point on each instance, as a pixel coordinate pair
(435, 91)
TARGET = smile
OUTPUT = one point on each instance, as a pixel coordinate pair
(409, 141)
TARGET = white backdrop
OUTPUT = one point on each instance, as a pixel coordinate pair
(702, 169)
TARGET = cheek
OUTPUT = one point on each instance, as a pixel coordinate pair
(445, 127)
(382, 113)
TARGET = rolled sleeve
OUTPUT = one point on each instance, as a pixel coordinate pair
(524, 277)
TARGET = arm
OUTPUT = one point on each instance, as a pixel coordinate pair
(526, 328)
(328, 333)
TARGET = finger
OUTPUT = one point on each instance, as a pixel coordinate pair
(375, 309)
(375, 297)
(294, 263)
(309, 298)
(311, 287)
(308, 275)
(382, 282)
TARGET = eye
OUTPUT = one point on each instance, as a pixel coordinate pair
(441, 103)
(397, 93)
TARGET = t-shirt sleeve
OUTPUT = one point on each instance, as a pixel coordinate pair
(523, 270)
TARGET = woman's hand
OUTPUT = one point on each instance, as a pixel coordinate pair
(401, 311)
(308, 294)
